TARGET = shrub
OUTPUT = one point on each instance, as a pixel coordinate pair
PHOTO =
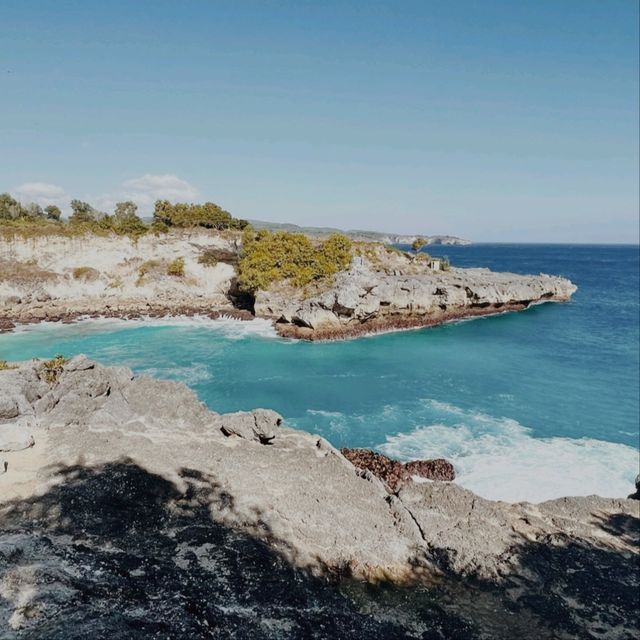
(273, 257)
(53, 368)
(4, 365)
(176, 268)
(208, 215)
(85, 273)
(147, 266)
(208, 258)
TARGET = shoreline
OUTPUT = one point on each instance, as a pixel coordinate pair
(386, 324)
(399, 322)
(142, 312)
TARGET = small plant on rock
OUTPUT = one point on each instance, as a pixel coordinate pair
(176, 268)
(53, 368)
(85, 273)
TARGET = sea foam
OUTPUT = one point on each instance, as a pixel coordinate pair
(498, 458)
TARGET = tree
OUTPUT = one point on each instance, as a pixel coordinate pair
(125, 210)
(83, 213)
(10, 208)
(53, 212)
(126, 221)
(417, 244)
(32, 210)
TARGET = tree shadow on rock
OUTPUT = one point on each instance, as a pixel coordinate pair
(116, 551)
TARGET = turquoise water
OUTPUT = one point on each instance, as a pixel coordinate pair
(528, 406)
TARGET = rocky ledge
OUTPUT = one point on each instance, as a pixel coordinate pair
(366, 299)
(129, 509)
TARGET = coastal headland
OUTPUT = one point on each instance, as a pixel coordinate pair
(199, 272)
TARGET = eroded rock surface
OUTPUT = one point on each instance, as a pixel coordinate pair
(366, 298)
(151, 518)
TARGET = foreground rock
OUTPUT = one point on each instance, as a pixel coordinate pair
(151, 516)
(398, 293)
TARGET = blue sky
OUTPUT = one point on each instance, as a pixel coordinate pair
(496, 121)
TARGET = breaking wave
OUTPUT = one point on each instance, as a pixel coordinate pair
(498, 458)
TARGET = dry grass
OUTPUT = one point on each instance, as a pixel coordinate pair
(22, 273)
(85, 273)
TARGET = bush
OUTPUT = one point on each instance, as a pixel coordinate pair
(208, 258)
(208, 215)
(53, 368)
(147, 266)
(176, 268)
(85, 273)
(273, 257)
(5, 366)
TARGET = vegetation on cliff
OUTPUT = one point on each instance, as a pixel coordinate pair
(273, 257)
(31, 220)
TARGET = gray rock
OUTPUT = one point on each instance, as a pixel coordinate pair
(364, 293)
(261, 425)
(116, 444)
(8, 406)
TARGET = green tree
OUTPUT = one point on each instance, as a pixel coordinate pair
(53, 212)
(83, 213)
(269, 257)
(417, 244)
(32, 210)
(10, 208)
(126, 221)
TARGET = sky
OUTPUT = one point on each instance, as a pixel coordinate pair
(491, 120)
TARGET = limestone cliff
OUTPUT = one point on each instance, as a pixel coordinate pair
(403, 292)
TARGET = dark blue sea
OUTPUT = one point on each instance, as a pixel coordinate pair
(528, 406)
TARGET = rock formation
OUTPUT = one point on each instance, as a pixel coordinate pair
(63, 278)
(395, 474)
(367, 298)
(135, 499)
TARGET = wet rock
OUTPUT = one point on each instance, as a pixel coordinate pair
(393, 473)
(437, 469)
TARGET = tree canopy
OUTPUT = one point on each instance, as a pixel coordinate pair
(273, 257)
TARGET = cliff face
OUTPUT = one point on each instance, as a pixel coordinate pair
(60, 278)
(111, 478)
(368, 299)
(57, 276)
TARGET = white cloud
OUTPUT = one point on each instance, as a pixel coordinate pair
(149, 188)
(42, 193)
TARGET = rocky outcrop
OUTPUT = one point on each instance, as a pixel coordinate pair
(395, 474)
(65, 278)
(365, 299)
(137, 478)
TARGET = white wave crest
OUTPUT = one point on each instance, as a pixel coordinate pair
(498, 458)
(228, 327)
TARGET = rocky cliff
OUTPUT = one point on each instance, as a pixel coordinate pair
(400, 293)
(62, 278)
(129, 509)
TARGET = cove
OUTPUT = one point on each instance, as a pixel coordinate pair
(527, 406)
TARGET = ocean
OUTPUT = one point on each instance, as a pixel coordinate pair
(528, 406)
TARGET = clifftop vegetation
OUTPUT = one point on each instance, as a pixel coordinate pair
(273, 257)
(31, 220)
